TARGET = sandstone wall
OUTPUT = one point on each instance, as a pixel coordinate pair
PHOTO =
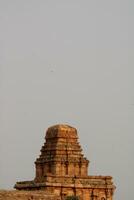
(26, 195)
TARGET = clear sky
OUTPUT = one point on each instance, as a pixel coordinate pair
(67, 61)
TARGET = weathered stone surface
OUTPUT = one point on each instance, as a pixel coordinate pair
(26, 195)
(61, 154)
(62, 169)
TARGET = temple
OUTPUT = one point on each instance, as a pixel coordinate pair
(62, 169)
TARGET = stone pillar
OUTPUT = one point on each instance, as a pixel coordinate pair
(79, 169)
(108, 194)
(66, 168)
(45, 168)
(71, 169)
(39, 170)
(53, 168)
(62, 169)
(84, 169)
(79, 193)
(58, 169)
(86, 195)
(76, 169)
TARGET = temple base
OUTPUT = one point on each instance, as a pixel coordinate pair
(83, 187)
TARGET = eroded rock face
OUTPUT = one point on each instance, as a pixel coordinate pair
(26, 195)
(62, 169)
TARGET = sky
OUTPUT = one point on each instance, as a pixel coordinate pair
(67, 62)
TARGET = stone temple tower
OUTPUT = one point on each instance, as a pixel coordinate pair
(62, 169)
(61, 155)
